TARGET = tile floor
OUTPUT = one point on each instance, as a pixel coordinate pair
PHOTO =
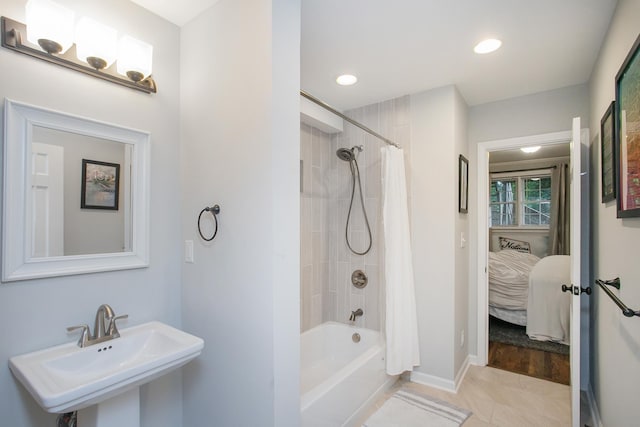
(499, 398)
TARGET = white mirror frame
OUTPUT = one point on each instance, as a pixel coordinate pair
(17, 264)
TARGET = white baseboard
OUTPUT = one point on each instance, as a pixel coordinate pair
(593, 406)
(441, 383)
(475, 360)
(433, 381)
(462, 372)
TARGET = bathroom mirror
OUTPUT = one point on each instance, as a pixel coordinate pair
(75, 195)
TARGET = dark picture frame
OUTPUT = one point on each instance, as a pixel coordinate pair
(463, 184)
(628, 135)
(607, 153)
(100, 185)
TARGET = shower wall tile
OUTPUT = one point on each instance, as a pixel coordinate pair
(305, 292)
(332, 279)
(316, 310)
(372, 297)
(359, 242)
(316, 214)
(316, 153)
(373, 179)
(329, 307)
(305, 156)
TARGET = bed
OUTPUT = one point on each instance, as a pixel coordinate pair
(548, 307)
(509, 284)
(526, 290)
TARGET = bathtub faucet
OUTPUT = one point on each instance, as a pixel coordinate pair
(355, 314)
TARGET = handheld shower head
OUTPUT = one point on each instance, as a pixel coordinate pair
(348, 154)
(345, 154)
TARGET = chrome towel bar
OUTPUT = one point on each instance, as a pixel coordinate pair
(616, 284)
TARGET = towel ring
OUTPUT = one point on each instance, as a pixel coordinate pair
(215, 210)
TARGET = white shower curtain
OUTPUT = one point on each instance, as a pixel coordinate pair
(401, 324)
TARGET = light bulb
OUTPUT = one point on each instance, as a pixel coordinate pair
(487, 46)
(96, 43)
(135, 58)
(49, 25)
(346, 80)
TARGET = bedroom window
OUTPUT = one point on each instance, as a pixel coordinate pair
(520, 200)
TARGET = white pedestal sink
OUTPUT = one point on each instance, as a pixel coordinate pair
(102, 381)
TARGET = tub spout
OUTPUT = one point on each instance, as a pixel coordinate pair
(355, 314)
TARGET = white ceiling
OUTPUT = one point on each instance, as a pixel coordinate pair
(179, 12)
(399, 47)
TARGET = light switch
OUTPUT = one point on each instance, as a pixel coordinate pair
(188, 251)
(463, 241)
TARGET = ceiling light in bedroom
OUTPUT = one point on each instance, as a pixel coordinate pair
(487, 46)
(346, 80)
(530, 150)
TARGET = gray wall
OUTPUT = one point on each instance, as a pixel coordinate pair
(540, 113)
(35, 313)
(438, 131)
(616, 345)
(241, 149)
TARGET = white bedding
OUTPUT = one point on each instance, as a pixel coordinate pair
(548, 306)
(509, 278)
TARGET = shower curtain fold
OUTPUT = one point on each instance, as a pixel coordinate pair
(401, 324)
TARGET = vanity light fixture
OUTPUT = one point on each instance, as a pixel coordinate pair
(49, 35)
(487, 46)
(346, 80)
(530, 150)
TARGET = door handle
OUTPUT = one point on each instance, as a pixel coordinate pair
(576, 290)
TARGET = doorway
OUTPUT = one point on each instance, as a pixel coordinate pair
(521, 219)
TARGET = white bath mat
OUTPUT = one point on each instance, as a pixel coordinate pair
(406, 408)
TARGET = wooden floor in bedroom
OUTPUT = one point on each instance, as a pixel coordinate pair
(534, 363)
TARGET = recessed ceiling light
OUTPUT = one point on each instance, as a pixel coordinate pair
(530, 149)
(487, 46)
(346, 80)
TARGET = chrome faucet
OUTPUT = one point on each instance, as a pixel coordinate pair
(355, 314)
(104, 315)
(104, 328)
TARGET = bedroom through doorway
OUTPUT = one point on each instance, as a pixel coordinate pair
(528, 261)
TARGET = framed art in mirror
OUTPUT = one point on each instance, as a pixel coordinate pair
(627, 112)
(100, 187)
(47, 229)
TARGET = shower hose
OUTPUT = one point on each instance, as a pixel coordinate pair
(355, 175)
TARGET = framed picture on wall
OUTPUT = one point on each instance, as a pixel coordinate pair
(100, 185)
(627, 113)
(607, 156)
(463, 184)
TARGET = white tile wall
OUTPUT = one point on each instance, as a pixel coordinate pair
(327, 264)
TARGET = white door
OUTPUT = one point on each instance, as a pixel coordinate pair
(579, 279)
(47, 200)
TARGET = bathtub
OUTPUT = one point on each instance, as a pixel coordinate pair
(339, 378)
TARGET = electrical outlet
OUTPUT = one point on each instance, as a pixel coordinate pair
(462, 338)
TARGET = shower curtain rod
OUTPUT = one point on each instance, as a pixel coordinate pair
(350, 120)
